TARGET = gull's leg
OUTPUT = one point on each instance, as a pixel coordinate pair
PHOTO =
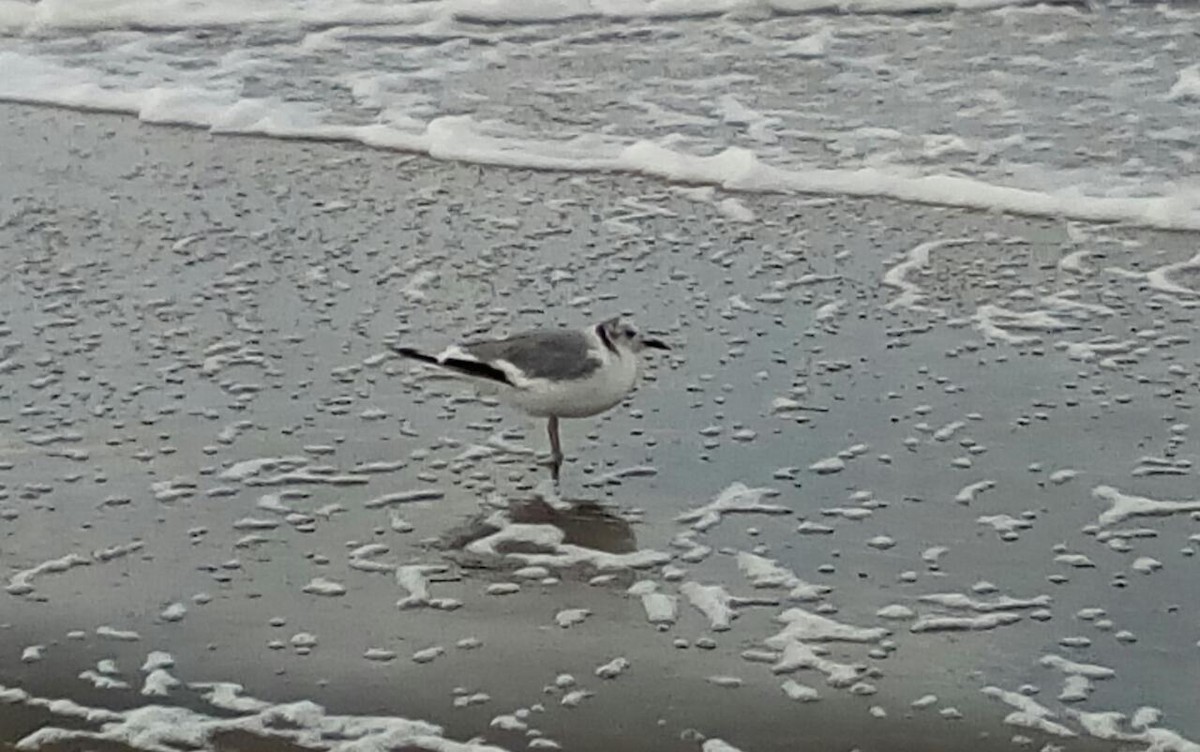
(556, 455)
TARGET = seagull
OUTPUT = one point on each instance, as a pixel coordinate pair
(551, 373)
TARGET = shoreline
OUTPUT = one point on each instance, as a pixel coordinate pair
(735, 170)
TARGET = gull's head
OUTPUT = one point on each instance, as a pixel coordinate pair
(618, 333)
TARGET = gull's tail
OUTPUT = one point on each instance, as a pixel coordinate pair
(461, 366)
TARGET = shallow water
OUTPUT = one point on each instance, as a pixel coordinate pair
(178, 305)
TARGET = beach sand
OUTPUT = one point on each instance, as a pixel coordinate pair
(184, 302)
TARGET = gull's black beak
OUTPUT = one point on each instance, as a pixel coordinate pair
(657, 344)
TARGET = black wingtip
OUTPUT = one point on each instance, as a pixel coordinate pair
(474, 368)
(459, 365)
(408, 352)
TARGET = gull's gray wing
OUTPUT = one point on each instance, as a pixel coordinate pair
(557, 355)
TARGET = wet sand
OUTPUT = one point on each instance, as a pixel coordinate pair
(184, 302)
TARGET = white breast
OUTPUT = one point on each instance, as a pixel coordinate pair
(579, 398)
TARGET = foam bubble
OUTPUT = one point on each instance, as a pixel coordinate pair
(963, 623)
(157, 727)
(805, 626)
(1030, 713)
(711, 600)
(736, 498)
(1124, 506)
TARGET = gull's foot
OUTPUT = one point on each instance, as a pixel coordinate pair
(554, 462)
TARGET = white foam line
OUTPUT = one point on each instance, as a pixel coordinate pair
(712, 601)
(100, 681)
(805, 626)
(363, 558)
(740, 169)
(1074, 261)
(159, 683)
(568, 555)
(1072, 668)
(1160, 278)
(964, 623)
(1104, 725)
(994, 322)
(157, 659)
(1029, 712)
(1186, 86)
(1107, 725)
(182, 14)
(1004, 523)
(250, 468)
(542, 536)
(154, 728)
(1064, 302)
(413, 579)
(797, 655)
(325, 587)
(405, 497)
(768, 573)
(1003, 603)
(556, 553)
(460, 138)
(21, 583)
(1087, 351)
(967, 493)
(917, 258)
(737, 497)
(1124, 506)
(661, 609)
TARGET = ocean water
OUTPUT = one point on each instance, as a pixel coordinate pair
(915, 477)
(1074, 109)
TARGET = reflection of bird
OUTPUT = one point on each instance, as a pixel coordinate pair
(552, 373)
(584, 524)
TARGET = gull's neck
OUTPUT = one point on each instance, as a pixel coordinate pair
(612, 348)
(606, 340)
